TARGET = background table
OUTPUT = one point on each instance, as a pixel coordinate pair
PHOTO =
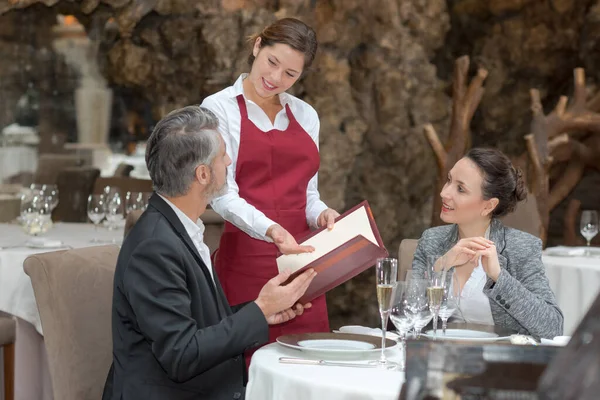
(32, 379)
(576, 283)
(271, 380)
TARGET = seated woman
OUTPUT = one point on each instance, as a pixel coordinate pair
(499, 269)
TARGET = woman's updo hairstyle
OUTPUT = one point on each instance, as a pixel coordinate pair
(292, 32)
(500, 179)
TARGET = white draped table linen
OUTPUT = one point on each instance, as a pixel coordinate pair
(270, 380)
(575, 281)
(17, 159)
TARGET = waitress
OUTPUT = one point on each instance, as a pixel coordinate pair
(272, 138)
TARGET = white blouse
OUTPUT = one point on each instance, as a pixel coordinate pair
(474, 304)
(231, 206)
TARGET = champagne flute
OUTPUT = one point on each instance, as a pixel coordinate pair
(589, 226)
(450, 301)
(386, 271)
(435, 294)
(96, 210)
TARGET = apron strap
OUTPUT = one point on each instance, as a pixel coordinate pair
(242, 104)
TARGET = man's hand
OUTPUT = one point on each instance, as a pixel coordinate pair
(288, 314)
(327, 218)
(286, 242)
(276, 301)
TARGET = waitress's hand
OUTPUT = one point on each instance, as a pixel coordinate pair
(327, 218)
(285, 241)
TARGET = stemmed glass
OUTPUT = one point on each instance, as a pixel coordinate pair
(400, 316)
(450, 301)
(435, 294)
(114, 210)
(51, 193)
(96, 210)
(417, 302)
(386, 275)
(589, 226)
(134, 201)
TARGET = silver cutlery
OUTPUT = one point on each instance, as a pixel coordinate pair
(303, 361)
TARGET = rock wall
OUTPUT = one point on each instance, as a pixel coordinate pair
(383, 69)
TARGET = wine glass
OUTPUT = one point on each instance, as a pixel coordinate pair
(145, 199)
(435, 294)
(400, 316)
(417, 303)
(386, 271)
(450, 301)
(114, 210)
(96, 211)
(589, 225)
(134, 201)
(51, 192)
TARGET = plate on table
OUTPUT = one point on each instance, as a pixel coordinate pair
(466, 335)
(565, 251)
(335, 344)
(44, 243)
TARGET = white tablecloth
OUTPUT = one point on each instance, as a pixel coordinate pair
(16, 298)
(17, 159)
(576, 283)
(138, 162)
(271, 380)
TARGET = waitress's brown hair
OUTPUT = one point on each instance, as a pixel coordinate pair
(500, 179)
(292, 32)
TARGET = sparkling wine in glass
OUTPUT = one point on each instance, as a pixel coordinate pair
(589, 225)
(386, 271)
(450, 301)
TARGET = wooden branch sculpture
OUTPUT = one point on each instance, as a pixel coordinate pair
(571, 238)
(465, 100)
(549, 135)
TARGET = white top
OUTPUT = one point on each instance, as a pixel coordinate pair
(231, 206)
(474, 304)
(196, 232)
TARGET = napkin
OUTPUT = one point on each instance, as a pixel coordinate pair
(557, 341)
(565, 251)
(365, 330)
(44, 243)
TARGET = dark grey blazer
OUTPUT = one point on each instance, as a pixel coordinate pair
(521, 299)
(174, 334)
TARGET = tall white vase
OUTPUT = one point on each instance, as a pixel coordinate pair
(93, 107)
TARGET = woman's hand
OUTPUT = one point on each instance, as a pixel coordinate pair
(489, 262)
(285, 242)
(327, 218)
(463, 252)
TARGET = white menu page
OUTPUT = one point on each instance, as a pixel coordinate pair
(354, 224)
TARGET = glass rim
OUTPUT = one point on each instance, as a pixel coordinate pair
(387, 259)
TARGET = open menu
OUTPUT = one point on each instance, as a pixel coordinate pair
(352, 246)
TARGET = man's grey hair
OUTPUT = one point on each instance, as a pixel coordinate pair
(183, 140)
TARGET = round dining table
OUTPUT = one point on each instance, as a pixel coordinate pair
(575, 280)
(269, 379)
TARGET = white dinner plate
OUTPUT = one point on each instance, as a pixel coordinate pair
(335, 344)
(579, 251)
(466, 334)
(44, 243)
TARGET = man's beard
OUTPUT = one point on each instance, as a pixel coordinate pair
(213, 192)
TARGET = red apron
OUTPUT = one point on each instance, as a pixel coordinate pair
(272, 172)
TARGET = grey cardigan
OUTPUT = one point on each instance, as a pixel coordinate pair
(521, 299)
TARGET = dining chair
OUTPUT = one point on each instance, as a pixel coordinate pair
(406, 254)
(73, 291)
(8, 332)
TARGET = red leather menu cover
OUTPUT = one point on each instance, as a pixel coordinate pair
(344, 262)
